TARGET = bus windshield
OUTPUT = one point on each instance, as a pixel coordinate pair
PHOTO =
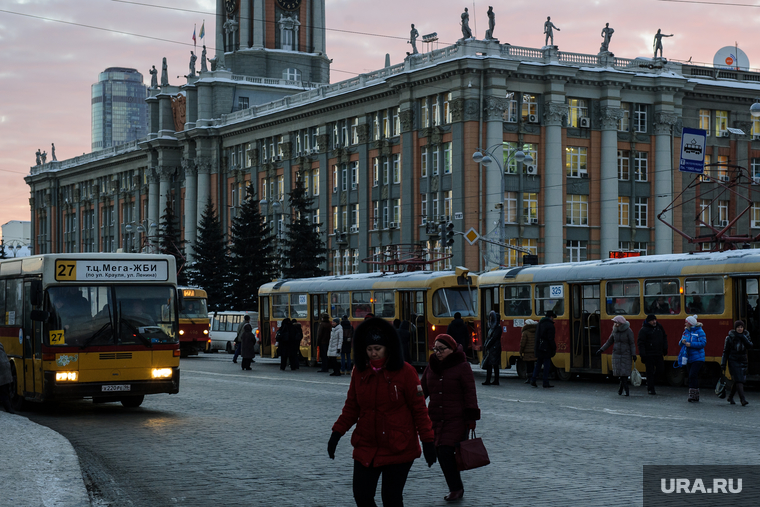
(194, 309)
(447, 302)
(107, 315)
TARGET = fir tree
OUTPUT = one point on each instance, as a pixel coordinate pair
(169, 242)
(303, 246)
(210, 269)
(253, 262)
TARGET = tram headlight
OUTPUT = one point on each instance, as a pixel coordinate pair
(161, 372)
(181, 332)
(66, 376)
(205, 331)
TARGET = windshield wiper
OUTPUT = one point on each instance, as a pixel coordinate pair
(96, 334)
(136, 331)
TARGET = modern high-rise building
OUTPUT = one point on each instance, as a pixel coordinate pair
(119, 111)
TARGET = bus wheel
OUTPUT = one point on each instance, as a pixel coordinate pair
(522, 369)
(676, 376)
(563, 375)
(132, 401)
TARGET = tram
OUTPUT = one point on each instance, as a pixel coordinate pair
(427, 299)
(720, 287)
(193, 322)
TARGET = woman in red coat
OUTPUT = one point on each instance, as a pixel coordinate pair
(453, 407)
(386, 403)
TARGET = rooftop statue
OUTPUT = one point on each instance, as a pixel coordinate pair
(607, 35)
(549, 31)
(204, 68)
(413, 34)
(658, 41)
(193, 58)
(491, 23)
(466, 32)
(154, 77)
(164, 74)
(52, 153)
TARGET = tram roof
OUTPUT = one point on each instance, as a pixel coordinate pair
(360, 281)
(648, 266)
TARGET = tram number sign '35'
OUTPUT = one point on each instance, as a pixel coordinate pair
(76, 270)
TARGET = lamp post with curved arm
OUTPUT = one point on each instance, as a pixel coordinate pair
(145, 230)
(486, 157)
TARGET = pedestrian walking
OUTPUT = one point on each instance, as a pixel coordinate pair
(345, 348)
(653, 345)
(735, 350)
(323, 339)
(694, 339)
(247, 346)
(544, 348)
(458, 330)
(246, 320)
(294, 344)
(333, 348)
(527, 347)
(6, 381)
(386, 402)
(453, 408)
(282, 342)
(623, 351)
(492, 350)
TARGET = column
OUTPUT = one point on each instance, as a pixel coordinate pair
(245, 24)
(610, 116)
(191, 207)
(220, 18)
(553, 182)
(318, 27)
(165, 115)
(494, 188)
(164, 175)
(409, 220)
(203, 169)
(154, 208)
(663, 181)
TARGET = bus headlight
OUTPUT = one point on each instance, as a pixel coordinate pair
(181, 332)
(205, 331)
(66, 376)
(161, 372)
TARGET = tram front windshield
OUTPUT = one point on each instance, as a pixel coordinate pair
(98, 315)
(194, 309)
(447, 302)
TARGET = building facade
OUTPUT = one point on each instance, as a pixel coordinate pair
(119, 110)
(388, 155)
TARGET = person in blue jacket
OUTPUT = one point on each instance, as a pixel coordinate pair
(694, 340)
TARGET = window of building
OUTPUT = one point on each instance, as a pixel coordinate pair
(335, 178)
(423, 209)
(355, 265)
(354, 175)
(509, 159)
(242, 102)
(291, 75)
(510, 207)
(624, 121)
(641, 165)
(344, 217)
(423, 162)
(386, 171)
(435, 161)
(641, 211)
(510, 114)
(335, 226)
(396, 168)
(623, 160)
(723, 212)
(529, 106)
(386, 125)
(708, 170)
(755, 167)
(347, 264)
(386, 216)
(624, 211)
(436, 211)
(530, 208)
(704, 210)
(721, 123)
(577, 210)
(336, 263)
(575, 162)
(514, 257)
(397, 211)
(344, 177)
(755, 127)
(354, 131)
(375, 171)
(633, 246)
(315, 181)
(375, 214)
(435, 115)
(721, 170)
(640, 118)
(577, 109)
(704, 120)
(754, 220)
(396, 122)
(447, 203)
(446, 158)
(424, 113)
(447, 108)
(576, 250)
(376, 126)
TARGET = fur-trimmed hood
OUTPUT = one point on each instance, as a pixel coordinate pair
(376, 325)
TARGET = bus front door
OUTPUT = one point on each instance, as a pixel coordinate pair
(414, 310)
(747, 309)
(585, 337)
(265, 330)
(318, 307)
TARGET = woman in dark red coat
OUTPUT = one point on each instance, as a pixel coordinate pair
(386, 403)
(453, 407)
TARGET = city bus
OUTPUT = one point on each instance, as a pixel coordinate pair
(719, 287)
(224, 326)
(99, 326)
(193, 322)
(428, 300)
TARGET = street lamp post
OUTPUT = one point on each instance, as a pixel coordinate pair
(486, 157)
(142, 228)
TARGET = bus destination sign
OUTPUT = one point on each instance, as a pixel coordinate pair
(115, 270)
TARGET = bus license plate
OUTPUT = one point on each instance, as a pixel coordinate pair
(122, 387)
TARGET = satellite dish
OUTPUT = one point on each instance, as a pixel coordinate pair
(731, 57)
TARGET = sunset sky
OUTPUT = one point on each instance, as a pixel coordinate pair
(53, 50)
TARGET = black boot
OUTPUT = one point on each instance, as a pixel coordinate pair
(625, 386)
(620, 388)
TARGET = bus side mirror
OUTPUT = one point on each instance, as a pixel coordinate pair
(36, 293)
(181, 301)
(39, 315)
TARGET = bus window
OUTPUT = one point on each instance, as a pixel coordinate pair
(339, 304)
(704, 295)
(447, 302)
(145, 313)
(13, 298)
(279, 306)
(384, 304)
(517, 301)
(360, 304)
(545, 301)
(623, 297)
(662, 297)
(298, 306)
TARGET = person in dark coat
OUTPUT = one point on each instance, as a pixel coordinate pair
(345, 349)
(323, 340)
(294, 344)
(247, 344)
(453, 407)
(653, 345)
(405, 334)
(528, 346)
(6, 381)
(492, 350)
(545, 348)
(735, 350)
(386, 402)
(282, 340)
(623, 351)
(460, 332)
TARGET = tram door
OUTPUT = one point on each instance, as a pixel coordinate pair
(584, 326)
(488, 298)
(747, 309)
(318, 307)
(265, 330)
(414, 309)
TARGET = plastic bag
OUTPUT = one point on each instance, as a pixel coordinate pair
(683, 358)
(720, 387)
(635, 376)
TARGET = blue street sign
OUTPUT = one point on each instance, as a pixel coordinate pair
(693, 151)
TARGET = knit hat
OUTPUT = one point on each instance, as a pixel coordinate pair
(651, 317)
(550, 314)
(738, 323)
(447, 340)
(336, 320)
(375, 338)
(691, 320)
(619, 319)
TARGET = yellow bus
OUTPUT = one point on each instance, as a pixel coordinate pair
(99, 326)
(428, 300)
(193, 322)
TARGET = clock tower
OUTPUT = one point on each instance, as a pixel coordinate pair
(276, 39)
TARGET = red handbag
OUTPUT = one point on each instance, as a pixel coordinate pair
(471, 453)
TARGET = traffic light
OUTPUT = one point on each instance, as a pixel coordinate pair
(449, 234)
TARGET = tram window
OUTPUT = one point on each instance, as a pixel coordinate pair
(13, 299)
(447, 302)
(360, 304)
(339, 304)
(298, 306)
(384, 304)
(517, 301)
(704, 295)
(623, 298)
(545, 301)
(662, 297)
(752, 295)
(279, 306)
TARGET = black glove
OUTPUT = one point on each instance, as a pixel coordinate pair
(428, 450)
(333, 444)
(599, 352)
(634, 358)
